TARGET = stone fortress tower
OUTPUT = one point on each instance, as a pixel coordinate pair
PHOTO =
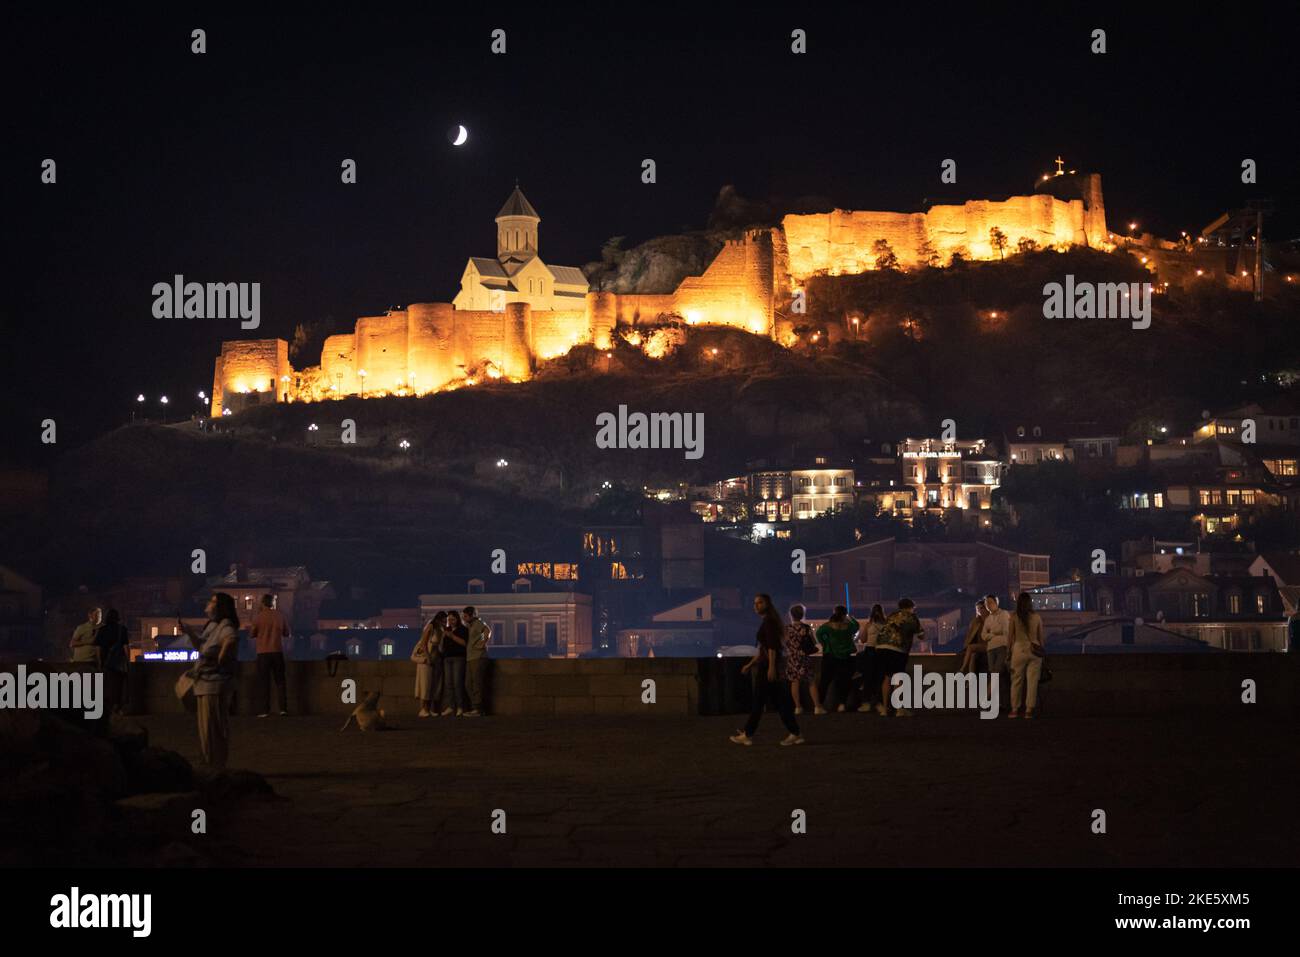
(513, 310)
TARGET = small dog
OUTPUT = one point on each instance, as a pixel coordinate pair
(368, 715)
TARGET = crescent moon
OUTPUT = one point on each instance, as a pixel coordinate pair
(461, 137)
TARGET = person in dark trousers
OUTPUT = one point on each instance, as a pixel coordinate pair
(455, 641)
(836, 638)
(268, 633)
(111, 640)
(766, 673)
(476, 660)
(893, 645)
(867, 659)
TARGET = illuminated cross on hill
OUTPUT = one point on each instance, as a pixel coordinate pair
(1060, 166)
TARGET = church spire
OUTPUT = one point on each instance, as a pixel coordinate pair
(517, 228)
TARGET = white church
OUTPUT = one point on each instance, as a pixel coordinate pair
(517, 274)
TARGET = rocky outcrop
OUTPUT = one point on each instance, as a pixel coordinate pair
(656, 266)
(97, 794)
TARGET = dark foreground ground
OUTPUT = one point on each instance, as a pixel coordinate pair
(933, 790)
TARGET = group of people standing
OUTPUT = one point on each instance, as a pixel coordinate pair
(854, 660)
(451, 664)
(102, 640)
(998, 642)
(858, 663)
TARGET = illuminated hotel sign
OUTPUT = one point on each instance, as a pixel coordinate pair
(177, 655)
(950, 454)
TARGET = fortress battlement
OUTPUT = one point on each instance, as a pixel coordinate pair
(513, 310)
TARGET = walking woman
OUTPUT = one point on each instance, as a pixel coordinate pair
(765, 673)
(867, 659)
(455, 642)
(214, 676)
(799, 644)
(1027, 651)
(428, 666)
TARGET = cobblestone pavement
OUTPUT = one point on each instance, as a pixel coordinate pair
(932, 790)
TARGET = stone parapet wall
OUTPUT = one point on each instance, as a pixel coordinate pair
(1083, 685)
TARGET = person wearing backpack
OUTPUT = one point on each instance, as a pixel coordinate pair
(893, 644)
(836, 638)
(799, 645)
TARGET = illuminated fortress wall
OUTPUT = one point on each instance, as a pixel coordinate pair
(736, 289)
(257, 369)
(431, 346)
(843, 242)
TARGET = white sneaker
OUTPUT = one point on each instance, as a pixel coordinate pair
(881, 709)
(790, 739)
(740, 737)
(448, 711)
(424, 713)
(472, 713)
(865, 707)
(820, 711)
(903, 713)
(284, 714)
(265, 715)
(798, 710)
(840, 708)
(460, 713)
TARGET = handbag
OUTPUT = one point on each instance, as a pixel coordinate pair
(806, 643)
(184, 686)
(1045, 675)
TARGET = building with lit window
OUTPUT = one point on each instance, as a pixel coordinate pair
(534, 618)
(1229, 612)
(820, 489)
(885, 570)
(939, 475)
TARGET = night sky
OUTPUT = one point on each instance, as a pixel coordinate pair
(225, 166)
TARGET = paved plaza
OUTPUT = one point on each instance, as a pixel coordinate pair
(931, 790)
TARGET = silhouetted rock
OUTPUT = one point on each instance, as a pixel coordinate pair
(126, 735)
(231, 785)
(154, 769)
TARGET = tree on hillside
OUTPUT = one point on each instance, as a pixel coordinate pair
(926, 253)
(307, 339)
(998, 240)
(1026, 245)
(612, 251)
(885, 257)
(617, 505)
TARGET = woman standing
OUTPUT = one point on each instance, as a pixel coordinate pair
(974, 647)
(765, 671)
(428, 666)
(867, 659)
(214, 676)
(112, 641)
(455, 642)
(798, 645)
(836, 638)
(1027, 651)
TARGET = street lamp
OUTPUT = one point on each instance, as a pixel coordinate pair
(362, 374)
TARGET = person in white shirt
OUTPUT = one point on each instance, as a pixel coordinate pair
(996, 636)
